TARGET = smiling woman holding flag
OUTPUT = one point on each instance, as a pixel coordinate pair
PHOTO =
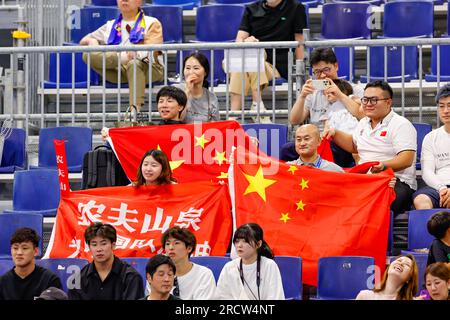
(154, 169)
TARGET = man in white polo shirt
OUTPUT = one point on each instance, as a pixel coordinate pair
(436, 159)
(386, 137)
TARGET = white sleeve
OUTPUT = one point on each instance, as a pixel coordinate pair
(224, 290)
(405, 138)
(206, 286)
(273, 290)
(363, 295)
(427, 160)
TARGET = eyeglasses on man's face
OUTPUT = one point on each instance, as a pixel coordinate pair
(372, 100)
(318, 72)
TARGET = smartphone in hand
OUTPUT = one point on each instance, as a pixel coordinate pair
(320, 84)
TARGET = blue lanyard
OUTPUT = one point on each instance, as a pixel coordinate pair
(318, 162)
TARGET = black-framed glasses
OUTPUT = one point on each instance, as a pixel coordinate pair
(318, 72)
(372, 100)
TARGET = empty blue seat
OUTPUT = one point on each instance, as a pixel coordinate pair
(89, 19)
(10, 222)
(218, 23)
(418, 236)
(371, 2)
(67, 269)
(80, 72)
(444, 66)
(244, 2)
(291, 276)
(394, 64)
(139, 265)
(185, 4)
(104, 2)
(342, 278)
(271, 136)
(408, 19)
(214, 263)
(350, 17)
(36, 191)
(171, 18)
(5, 266)
(78, 142)
(14, 153)
(422, 130)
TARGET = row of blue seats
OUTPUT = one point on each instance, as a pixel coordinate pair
(418, 239)
(79, 142)
(217, 23)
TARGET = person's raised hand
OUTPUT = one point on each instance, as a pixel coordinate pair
(307, 89)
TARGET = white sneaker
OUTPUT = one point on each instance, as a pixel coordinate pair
(262, 108)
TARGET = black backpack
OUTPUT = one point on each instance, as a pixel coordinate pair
(102, 169)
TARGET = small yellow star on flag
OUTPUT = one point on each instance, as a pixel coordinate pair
(258, 183)
(158, 148)
(304, 184)
(175, 164)
(223, 175)
(285, 217)
(220, 157)
(292, 169)
(300, 205)
(201, 141)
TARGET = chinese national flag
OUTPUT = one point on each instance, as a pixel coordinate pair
(311, 213)
(141, 215)
(196, 151)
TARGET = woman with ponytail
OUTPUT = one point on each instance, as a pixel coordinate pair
(202, 104)
(253, 275)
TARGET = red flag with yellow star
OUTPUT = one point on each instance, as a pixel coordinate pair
(311, 213)
(196, 151)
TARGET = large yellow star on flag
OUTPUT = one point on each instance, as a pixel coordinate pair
(300, 205)
(220, 157)
(292, 169)
(285, 217)
(201, 141)
(175, 164)
(304, 184)
(258, 183)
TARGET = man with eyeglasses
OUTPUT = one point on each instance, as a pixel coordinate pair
(316, 103)
(384, 136)
(435, 159)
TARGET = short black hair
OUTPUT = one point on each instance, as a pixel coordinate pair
(438, 224)
(156, 261)
(322, 54)
(99, 229)
(383, 85)
(344, 86)
(443, 92)
(25, 235)
(182, 234)
(172, 92)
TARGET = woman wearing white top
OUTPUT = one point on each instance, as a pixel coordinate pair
(400, 281)
(254, 275)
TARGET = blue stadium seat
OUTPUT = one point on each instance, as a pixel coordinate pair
(408, 19)
(171, 18)
(310, 4)
(139, 265)
(271, 136)
(78, 142)
(291, 275)
(422, 130)
(243, 2)
(185, 4)
(66, 60)
(214, 263)
(343, 57)
(36, 191)
(444, 67)
(14, 153)
(104, 2)
(394, 64)
(5, 265)
(351, 17)
(390, 234)
(371, 2)
(91, 18)
(342, 278)
(421, 260)
(10, 222)
(67, 269)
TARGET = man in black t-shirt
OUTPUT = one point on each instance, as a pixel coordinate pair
(268, 20)
(107, 277)
(26, 280)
